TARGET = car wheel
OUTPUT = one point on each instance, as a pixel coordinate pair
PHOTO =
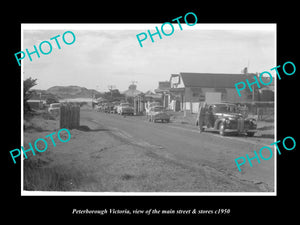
(168, 120)
(222, 129)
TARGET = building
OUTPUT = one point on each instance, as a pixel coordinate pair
(266, 93)
(188, 90)
(132, 91)
(36, 104)
(164, 91)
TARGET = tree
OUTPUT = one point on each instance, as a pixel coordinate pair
(113, 95)
(27, 84)
(98, 95)
(51, 99)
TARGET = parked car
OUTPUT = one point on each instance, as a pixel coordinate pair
(151, 105)
(115, 106)
(115, 109)
(110, 108)
(106, 107)
(158, 113)
(54, 108)
(98, 108)
(226, 118)
(125, 108)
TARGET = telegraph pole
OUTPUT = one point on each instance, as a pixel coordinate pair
(110, 88)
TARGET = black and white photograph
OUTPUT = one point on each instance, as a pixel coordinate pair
(149, 111)
(124, 109)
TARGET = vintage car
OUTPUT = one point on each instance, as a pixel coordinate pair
(158, 113)
(151, 105)
(226, 118)
(54, 108)
(105, 107)
(115, 109)
(125, 109)
(98, 107)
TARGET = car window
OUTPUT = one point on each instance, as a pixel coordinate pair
(157, 109)
(154, 104)
(57, 105)
(223, 108)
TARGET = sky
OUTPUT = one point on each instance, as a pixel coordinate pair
(102, 56)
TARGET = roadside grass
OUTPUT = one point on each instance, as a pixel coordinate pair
(105, 163)
(38, 177)
(39, 174)
(39, 120)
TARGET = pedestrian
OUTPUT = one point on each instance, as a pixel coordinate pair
(200, 116)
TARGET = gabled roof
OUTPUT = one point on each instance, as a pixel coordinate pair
(215, 80)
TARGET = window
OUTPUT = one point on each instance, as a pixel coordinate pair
(223, 93)
(196, 91)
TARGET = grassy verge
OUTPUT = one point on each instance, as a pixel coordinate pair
(38, 177)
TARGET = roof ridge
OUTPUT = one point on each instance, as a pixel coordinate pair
(214, 80)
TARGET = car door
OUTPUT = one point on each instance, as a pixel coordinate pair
(206, 117)
(210, 118)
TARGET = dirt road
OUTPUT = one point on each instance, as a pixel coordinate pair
(111, 153)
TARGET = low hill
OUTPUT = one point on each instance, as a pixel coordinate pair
(72, 92)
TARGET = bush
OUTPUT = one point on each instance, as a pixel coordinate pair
(51, 99)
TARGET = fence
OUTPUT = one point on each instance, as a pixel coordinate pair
(69, 116)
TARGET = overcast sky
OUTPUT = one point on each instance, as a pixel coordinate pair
(99, 58)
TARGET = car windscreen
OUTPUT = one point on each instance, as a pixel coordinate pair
(157, 109)
(224, 108)
(55, 105)
(152, 104)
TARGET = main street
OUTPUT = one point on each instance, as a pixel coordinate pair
(210, 153)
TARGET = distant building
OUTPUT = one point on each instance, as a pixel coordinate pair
(164, 91)
(188, 90)
(150, 96)
(132, 91)
(266, 93)
(163, 86)
(36, 104)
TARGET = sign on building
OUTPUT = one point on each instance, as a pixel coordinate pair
(213, 97)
